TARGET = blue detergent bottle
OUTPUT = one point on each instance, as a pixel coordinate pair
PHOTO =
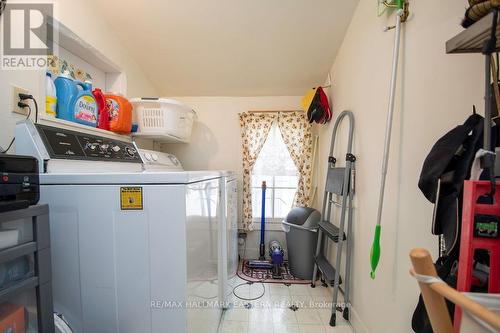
(75, 101)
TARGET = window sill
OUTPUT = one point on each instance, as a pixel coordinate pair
(271, 225)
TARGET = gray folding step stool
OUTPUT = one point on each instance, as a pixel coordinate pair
(339, 183)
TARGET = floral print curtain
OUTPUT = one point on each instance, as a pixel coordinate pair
(254, 130)
(297, 135)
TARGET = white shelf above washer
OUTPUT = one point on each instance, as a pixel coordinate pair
(114, 76)
(69, 125)
(159, 137)
(115, 81)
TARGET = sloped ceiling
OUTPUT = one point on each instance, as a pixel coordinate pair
(231, 47)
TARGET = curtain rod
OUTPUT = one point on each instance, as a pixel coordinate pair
(273, 111)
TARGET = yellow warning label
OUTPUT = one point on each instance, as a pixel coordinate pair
(131, 198)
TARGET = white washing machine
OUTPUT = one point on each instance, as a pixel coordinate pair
(228, 222)
(229, 237)
(135, 246)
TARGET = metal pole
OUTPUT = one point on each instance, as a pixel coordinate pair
(390, 114)
(263, 224)
(375, 250)
(487, 101)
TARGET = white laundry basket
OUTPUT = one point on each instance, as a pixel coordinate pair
(157, 117)
(471, 324)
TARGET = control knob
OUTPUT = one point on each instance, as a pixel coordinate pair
(130, 151)
(91, 146)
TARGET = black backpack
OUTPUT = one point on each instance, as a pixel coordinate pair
(449, 162)
(446, 268)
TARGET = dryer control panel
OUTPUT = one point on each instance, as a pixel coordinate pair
(159, 161)
(66, 144)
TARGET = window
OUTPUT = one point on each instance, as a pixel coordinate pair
(275, 166)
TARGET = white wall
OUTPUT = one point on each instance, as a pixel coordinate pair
(82, 18)
(435, 93)
(216, 140)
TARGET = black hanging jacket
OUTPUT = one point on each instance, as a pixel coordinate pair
(450, 160)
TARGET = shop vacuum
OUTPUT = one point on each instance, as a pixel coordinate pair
(275, 250)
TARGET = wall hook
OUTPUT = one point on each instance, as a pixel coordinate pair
(329, 84)
(403, 12)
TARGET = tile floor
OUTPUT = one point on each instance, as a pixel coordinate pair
(271, 313)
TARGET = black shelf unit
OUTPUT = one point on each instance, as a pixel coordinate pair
(482, 37)
(472, 39)
(39, 248)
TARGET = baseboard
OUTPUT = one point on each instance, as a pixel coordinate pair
(356, 322)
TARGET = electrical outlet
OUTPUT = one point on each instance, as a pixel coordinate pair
(15, 99)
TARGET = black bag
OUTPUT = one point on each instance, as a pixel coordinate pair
(446, 268)
(450, 161)
(452, 155)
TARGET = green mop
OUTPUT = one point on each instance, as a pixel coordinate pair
(375, 250)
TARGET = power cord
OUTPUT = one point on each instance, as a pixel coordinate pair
(248, 282)
(3, 3)
(10, 146)
(24, 97)
(249, 299)
(21, 105)
(24, 106)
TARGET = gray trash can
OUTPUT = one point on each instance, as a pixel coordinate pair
(301, 226)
